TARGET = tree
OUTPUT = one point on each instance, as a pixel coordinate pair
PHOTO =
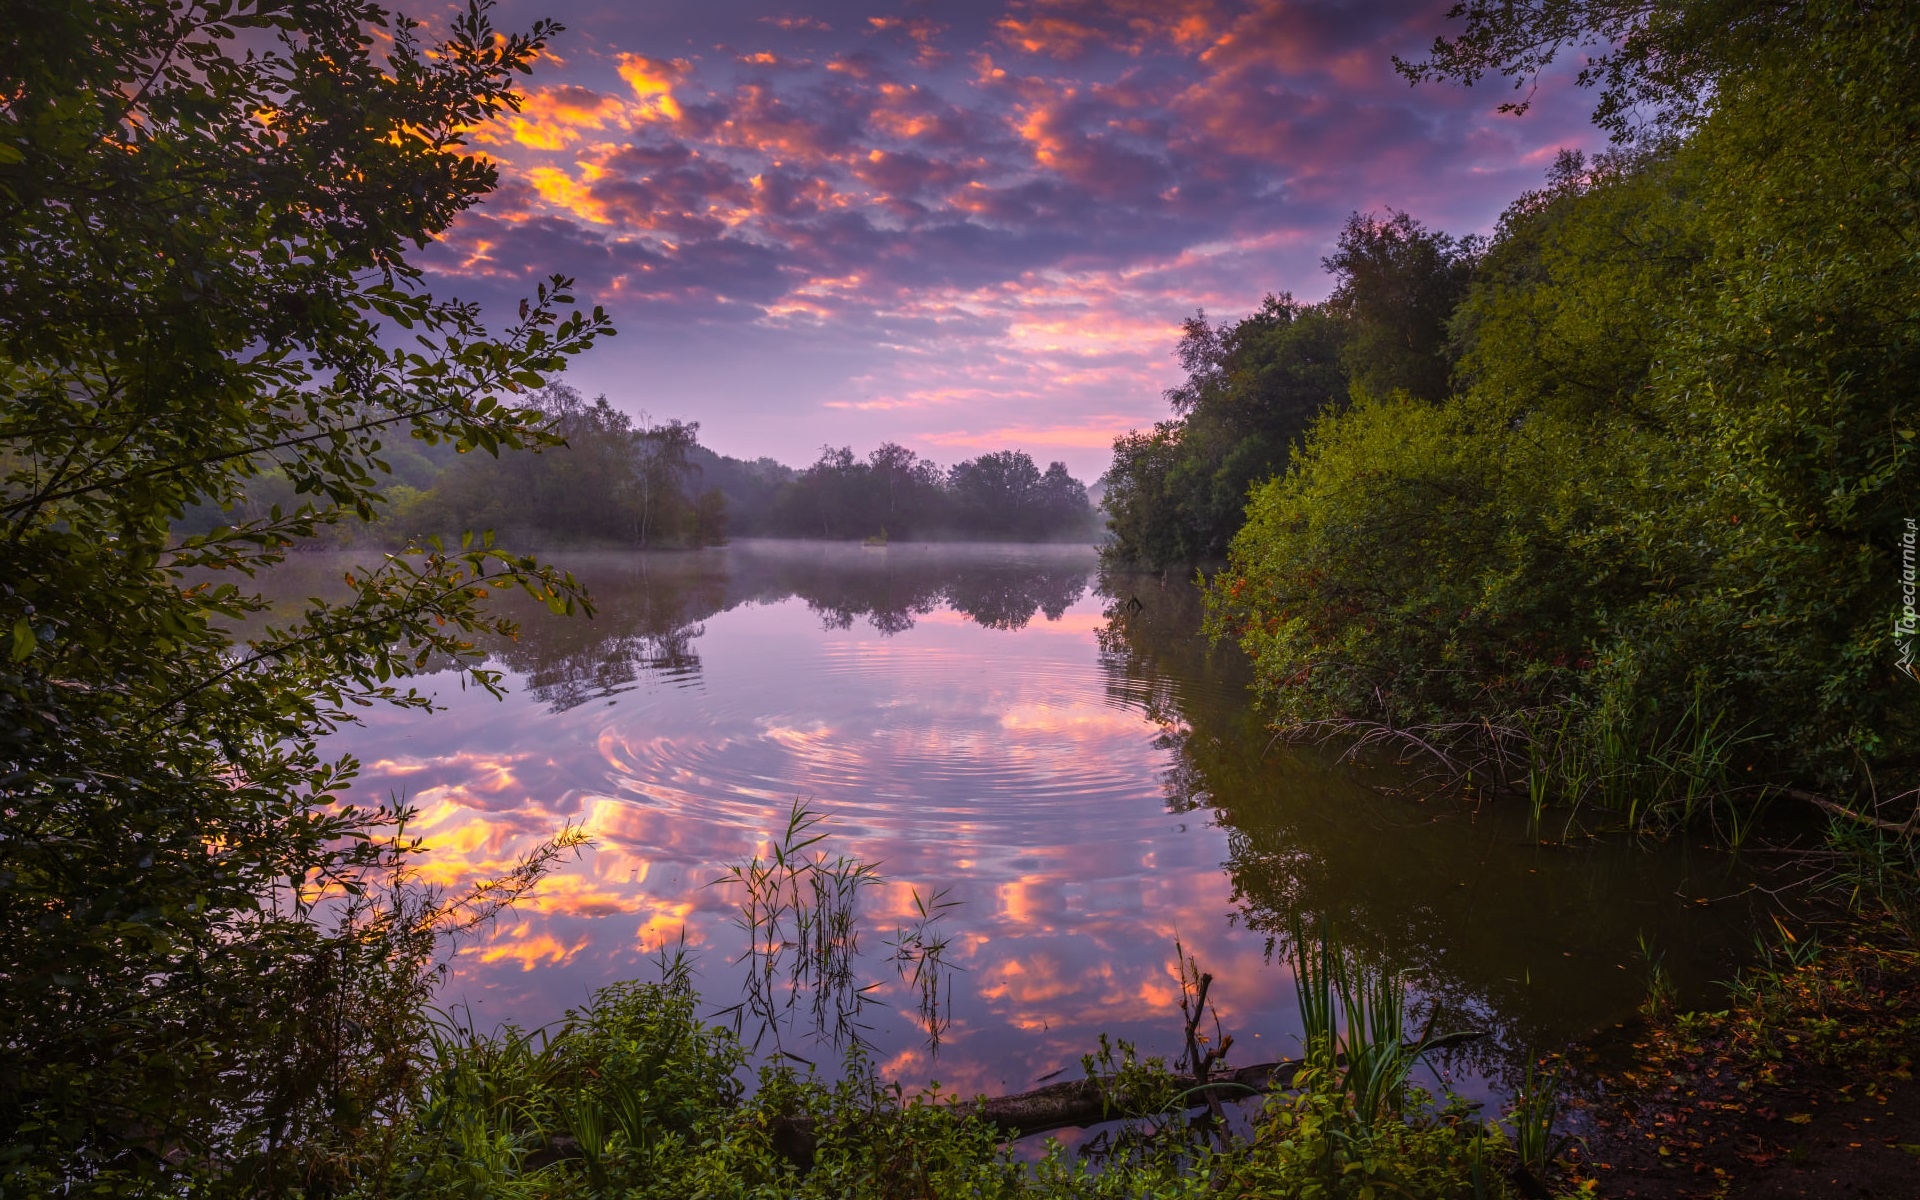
(1653, 542)
(909, 489)
(580, 489)
(661, 474)
(203, 279)
(710, 519)
(1397, 284)
(1060, 502)
(1178, 494)
(995, 493)
(825, 499)
(1655, 61)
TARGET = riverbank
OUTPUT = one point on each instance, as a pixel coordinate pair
(1802, 1086)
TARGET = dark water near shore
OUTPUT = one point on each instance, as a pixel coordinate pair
(1083, 775)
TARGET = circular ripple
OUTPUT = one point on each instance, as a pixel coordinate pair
(924, 741)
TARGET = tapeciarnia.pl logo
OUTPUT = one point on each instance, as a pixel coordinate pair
(1906, 625)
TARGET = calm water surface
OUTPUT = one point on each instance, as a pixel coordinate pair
(1065, 757)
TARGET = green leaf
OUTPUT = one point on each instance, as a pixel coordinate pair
(23, 640)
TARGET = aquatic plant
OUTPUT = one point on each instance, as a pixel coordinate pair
(919, 957)
(634, 1095)
(1355, 1024)
(1533, 1113)
(1661, 990)
(799, 912)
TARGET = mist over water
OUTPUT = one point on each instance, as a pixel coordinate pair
(1061, 754)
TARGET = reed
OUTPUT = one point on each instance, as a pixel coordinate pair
(1355, 1025)
(919, 958)
(1532, 1116)
(1662, 992)
(799, 910)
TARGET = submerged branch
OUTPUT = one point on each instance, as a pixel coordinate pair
(1906, 828)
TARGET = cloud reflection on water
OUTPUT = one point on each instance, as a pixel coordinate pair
(1078, 777)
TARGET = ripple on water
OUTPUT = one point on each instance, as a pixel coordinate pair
(966, 746)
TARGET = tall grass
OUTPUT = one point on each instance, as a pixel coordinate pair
(1650, 767)
(633, 1096)
(799, 911)
(1533, 1114)
(484, 1109)
(1355, 1021)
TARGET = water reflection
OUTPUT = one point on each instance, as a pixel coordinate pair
(650, 608)
(1538, 939)
(1076, 768)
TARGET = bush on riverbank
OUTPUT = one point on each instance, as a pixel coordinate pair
(1647, 556)
(1178, 493)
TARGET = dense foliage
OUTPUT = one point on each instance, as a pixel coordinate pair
(634, 1097)
(1649, 550)
(1178, 494)
(1647, 538)
(204, 215)
(613, 481)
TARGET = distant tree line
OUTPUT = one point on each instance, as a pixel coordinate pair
(615, 480)
(893, 492)
(610, 479)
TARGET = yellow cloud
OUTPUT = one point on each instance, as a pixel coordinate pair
(652, 81)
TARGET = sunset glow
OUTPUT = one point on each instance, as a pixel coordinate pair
(960, 227)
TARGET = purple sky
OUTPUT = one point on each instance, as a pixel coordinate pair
(960, 226)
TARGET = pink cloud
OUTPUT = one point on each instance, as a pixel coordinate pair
(1006, 210)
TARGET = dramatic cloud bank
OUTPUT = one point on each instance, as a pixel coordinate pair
(953, 225)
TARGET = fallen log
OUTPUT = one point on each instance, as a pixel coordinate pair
(1078, 1103)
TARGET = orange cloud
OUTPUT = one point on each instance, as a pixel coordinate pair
(553, 118)
(1066, 29)
(791, 24)
(652, 81)
(1097, 433)
(574, 895)
(562, 191)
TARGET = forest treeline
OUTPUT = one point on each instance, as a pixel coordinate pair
(1613, 506)
(612, 480)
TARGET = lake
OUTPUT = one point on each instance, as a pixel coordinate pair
(1062, 759)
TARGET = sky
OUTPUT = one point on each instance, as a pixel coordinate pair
(961, 226)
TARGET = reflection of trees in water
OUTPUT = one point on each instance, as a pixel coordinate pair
(645, 622)
(650, 608)
(890, 589)
(1007, 599)
(1528, 939)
